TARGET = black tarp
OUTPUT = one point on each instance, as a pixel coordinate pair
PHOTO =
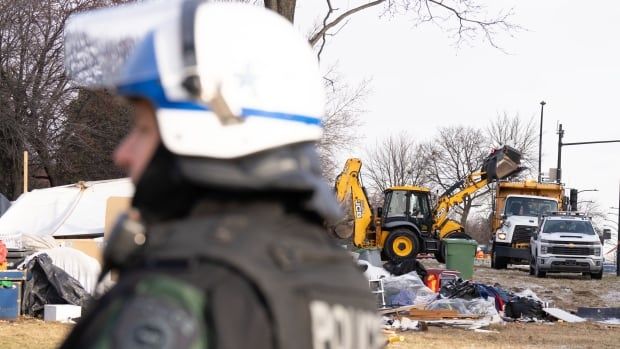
(48, 284)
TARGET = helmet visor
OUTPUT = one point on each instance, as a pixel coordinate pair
(99, 43)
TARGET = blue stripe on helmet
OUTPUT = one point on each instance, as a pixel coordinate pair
(282, 116)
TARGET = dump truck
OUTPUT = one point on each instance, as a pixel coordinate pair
(517, 209)
(407, 224)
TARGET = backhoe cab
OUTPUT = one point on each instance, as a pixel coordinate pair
(407, 224)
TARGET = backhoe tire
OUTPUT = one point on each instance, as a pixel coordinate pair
(440, 255)
(401, 244)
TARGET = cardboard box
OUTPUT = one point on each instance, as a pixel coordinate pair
(115, 206)
(91, 247)
(61, 312)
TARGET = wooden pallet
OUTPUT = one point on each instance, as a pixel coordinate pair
(424, 314)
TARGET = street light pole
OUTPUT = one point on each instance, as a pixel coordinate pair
(542, 107)
(618, 236)
(559, 169)
(561, 144)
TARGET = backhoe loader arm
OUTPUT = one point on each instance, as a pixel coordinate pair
(500, 164)
(352, 196)
(473, 183)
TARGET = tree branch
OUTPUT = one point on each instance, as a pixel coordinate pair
(327, 26)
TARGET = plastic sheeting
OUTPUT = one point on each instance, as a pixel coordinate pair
(406, 289)
(71, 210)
(478, 306)
(48, 284)
(80, 266)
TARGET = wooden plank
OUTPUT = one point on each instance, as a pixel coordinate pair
(563, 315)
(433, 313)
(399, 309)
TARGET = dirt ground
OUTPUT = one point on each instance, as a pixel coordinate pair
(31, 334)
(516, 335)
(566, 291)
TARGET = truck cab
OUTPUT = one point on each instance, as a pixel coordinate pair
(519, 220)
(566, 242)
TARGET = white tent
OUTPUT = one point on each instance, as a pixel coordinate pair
(69, 211)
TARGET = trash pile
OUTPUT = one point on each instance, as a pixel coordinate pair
(410, 297)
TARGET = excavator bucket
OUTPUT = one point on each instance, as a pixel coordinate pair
(502, 163)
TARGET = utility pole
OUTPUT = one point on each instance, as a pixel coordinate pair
(559, 169)
(542, 107)
(618, 236)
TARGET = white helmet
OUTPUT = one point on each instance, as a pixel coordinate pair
(226, 79)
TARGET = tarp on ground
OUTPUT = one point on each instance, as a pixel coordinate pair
(48, 284)
(70, 211)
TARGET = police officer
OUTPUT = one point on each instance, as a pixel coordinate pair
(225, 246)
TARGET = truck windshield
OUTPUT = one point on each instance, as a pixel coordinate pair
(529, 206)
(566, 226)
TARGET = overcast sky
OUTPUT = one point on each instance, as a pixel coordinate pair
(569, 56)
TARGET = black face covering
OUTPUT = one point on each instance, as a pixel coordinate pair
(162, 193)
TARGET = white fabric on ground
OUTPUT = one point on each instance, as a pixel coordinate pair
(82, 267)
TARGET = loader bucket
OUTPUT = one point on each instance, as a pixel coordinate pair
(502, 163)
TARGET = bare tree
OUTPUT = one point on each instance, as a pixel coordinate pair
(397, 160)
(33, 87)
(95, 124)
(518, 133)
(455, 153)
(479, 227)
(343, 107)
(594, 210)
(464, 20)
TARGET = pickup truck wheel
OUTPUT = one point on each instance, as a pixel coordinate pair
(596, 276)
(531, 266)
(537, 272)
(401, 244)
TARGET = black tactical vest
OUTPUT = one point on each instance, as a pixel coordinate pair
(314, 294)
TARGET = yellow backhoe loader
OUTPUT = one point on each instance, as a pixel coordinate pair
(407, 224)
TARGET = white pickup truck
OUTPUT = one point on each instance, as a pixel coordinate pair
(566, 242)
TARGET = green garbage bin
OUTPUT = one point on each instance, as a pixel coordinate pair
(460, 255)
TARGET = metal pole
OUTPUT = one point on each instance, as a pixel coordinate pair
(559, 169)
(618, 236)
(542, 107)
(25, 171)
